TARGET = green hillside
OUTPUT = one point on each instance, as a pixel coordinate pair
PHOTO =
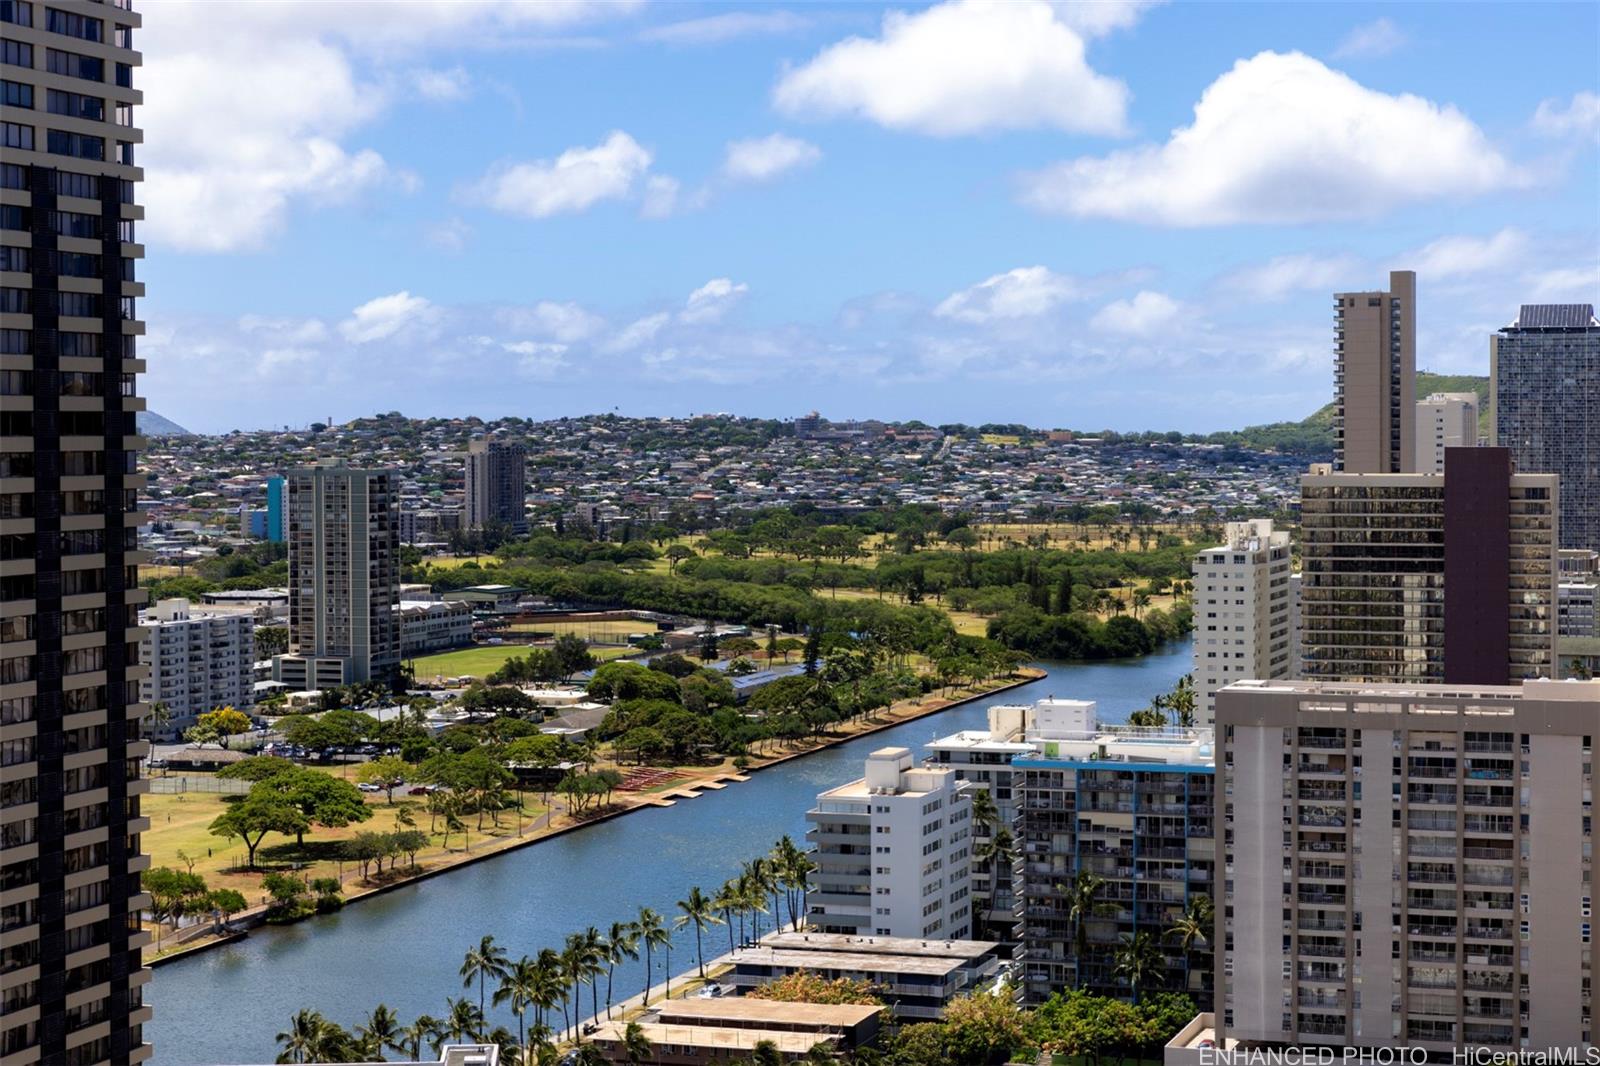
(1315, 434)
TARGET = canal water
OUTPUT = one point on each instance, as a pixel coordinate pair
(405, 948)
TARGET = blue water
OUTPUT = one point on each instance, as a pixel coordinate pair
(405, 948)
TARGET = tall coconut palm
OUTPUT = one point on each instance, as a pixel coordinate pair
(1193, 927)
(595, 953)
(424, 1030)
(698, 911)
(622, 944)
(380, 1032)
(487, 960)
(520, 987)
(573, 968)
(1082, 903)
(1139, 962)
(301, 1039)
(463, 1020)
(653, 934)
(635, 1045)
(727, 901)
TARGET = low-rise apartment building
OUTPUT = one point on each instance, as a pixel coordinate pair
(198, 660)
(433, 625)
(1407, 864)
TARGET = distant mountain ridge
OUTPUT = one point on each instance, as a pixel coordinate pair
(1315, 433)
(153, 425)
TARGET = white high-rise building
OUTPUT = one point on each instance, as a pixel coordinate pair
(893, 852)
(1242, 611)
(199, 661)
(1445, 420)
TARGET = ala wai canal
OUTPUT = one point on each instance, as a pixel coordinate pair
(404, 948)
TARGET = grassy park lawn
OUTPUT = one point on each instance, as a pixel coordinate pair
(967, 623)
(180, 823)
(451, 562)
(485, 659)
(599, 630)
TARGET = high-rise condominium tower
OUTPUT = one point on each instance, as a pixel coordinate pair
(1544, 379)
(1375, 378)
(1242, 611)
(1408, 865)
(344, 577)
(1445, 420)
(71, 977)
(496, 485)
(1429, 577)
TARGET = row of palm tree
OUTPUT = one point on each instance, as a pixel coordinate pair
(1139, 960)
(548, 987)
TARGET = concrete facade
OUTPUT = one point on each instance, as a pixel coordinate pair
(893, 852)
(1243, 611)
(432, 625)
(1407, 864)
(1444, 420)
(199, 661)
(1375, 357)
(496, 476)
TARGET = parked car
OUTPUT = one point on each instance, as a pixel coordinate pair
(370, 786)
(712, 991)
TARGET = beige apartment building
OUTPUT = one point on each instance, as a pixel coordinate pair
(344, 577)
(1243, 611)
(71, 974)
(1407, 864)
(1375, 348)
(1381, 552)
(1445, 420)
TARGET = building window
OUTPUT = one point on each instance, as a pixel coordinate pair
(74, 105)
(80, 26)
(81, 145)
(16, 135)
(16, 94)
(16, 12)
(16, 53)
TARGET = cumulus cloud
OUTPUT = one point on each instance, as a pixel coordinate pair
(1578, 117)
(382, 318)
(762, 158)
(715, 29)
(638, 333)
(1459, 256)
(1371, 40)
(563, 321)
(1283, 139)
(1145, 315)
(574, 181)
(441, 85)
(712, 300)
(1020, 293)
(1100, 17)
(962, 67)
(250, 107)
(1285, 274)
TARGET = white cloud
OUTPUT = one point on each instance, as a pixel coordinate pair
(1371, 40)
(638, 333)
(712, 300)
(1458, 256)
(1579, 117)
(448, 235)
(566, 322)
(714, 29)
(964, 66)
(1145, 315)
(1020, 293)
(761, 158)
(574, 181)
(441, 85)
(382, 318)
(661, 193)
(249, 106)
(1285, 274)
(1283, 139)
(1565, 284)
(1096, 18)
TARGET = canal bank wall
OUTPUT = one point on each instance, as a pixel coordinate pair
(255, 917)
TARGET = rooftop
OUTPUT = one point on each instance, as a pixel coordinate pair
(879, 945)
(1555, 316)
(1536, 689)
(855, 961)
(751, 1009)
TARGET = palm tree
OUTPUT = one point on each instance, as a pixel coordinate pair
(622, 943)
(300, 1040)
(595, 953)
(1139, 962)
(1193, 927)
(635, 1045)
(699, 911)
(521, 988)
(422, 1031)
(653, 934)
(572, 971)
(1083, 903)
(486, 960)
(380, 1031)
(766, 1053)
(792, 866)
(727, 901)
(463, 1021)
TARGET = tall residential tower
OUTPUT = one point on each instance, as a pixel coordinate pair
(1544, 377)
(1375, 378)
(344, 577)
(1243, 611)
(71, 976)
(496, 485)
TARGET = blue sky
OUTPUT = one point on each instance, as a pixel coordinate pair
(1114, 214)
